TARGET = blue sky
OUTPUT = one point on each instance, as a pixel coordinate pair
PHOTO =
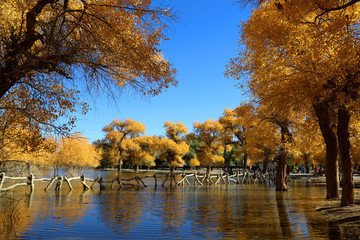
(200, 46)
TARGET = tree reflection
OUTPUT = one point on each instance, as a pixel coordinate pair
(173, 211)
(210, 212)
(14, 214)
(303, 218)
(283, 216)
(121, 210)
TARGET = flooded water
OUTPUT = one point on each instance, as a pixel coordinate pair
(196, 212)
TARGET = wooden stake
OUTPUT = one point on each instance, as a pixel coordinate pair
(68, 182)
(59, 184)
(50, 183)
(2, 179)
(31, 179)
(85, 186)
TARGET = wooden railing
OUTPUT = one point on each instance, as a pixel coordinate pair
(200, 179)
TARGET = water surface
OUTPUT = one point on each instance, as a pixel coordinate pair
(196, 212)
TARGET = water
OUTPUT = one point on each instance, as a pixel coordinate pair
(196, 212)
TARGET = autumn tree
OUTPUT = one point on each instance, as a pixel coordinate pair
(210, 134)
(236, 123)
(28, 114)
(76, 152)
(174, 146)
(49, 48)
(308, 142)
(172, 152)
(283, 120)
(194, 148)
(322, 6)
(112, 42)
(263, 141)
(141, 151)
(310, 61)
(23, 149)
(117, 134)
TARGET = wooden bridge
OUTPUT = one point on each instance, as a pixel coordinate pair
(177, 179)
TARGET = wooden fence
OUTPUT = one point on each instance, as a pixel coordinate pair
(198, 178)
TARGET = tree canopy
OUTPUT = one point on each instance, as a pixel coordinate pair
(50, 50)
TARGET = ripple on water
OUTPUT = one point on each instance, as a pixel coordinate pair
(215, 212)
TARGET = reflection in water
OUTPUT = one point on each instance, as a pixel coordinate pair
(210, 212)
(13, 215)
(120, 210)
(283, 216)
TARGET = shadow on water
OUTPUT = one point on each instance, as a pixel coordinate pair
(283, 216)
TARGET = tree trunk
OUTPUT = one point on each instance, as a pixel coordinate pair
(119, 167)
(281, 169)
(266, 163)
(306, 161)
(136, 167)
(245, 160)
(347, 196)
(172, 168)
(332, 170)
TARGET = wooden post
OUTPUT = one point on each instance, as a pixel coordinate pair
(59, 184)
(85, 186)
(174, 177)
(183, 177)
(142, 182)
(251, 177)
(2, 179)
(31, 182)
(217, 179)
(95, 181)
(68, 182)
(187, 181)
(167, 175)
(50, 183)
(155, 180)
(171, 177)
(100, 181)
(30, 201)
(237, 177)
(244, 178)
(197, 180)
(112, 183)
(119, 181)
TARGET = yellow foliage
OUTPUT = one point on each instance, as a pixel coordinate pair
(293, 64)
(173, 151)
(114, 41)
(141, 150)
(308, 142)
(237, 122)
(194, 162)
(76, 151)
(119, 140)
(262, 140)
(210, 133)
(45, 45)
(175, 131)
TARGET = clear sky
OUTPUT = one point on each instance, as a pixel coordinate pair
(200, 46)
